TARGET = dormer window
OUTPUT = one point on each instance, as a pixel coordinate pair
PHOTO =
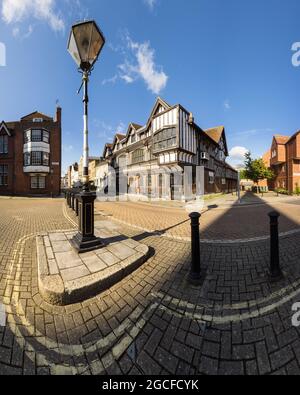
(3, 144)
(38, 120)
(133, 139)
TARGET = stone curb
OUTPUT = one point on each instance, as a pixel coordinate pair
(55, 292)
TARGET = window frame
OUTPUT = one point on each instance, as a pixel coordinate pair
(44, 136)
(165, 139)
(3, 144)
(4, 175)
(38, 185)
(135, 158)
(44, 161)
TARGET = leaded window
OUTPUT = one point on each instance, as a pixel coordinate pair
(36, 158)
(38, 182)
(165, 139)
(138, 156)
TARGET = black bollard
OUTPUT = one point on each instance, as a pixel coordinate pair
(69, 199)
(73, 200)
(275, 271)
(76, 206)
(195, 273)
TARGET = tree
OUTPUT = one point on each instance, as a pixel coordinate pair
(256, 170)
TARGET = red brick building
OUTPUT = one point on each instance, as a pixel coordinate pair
(30, 155)
(284, 159)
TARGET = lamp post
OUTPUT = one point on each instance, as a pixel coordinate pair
(85, 44)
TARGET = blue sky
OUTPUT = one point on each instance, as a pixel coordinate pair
(229, 62)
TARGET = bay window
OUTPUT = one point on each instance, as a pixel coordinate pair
(36, 136)
(165, 139)
(36, 158)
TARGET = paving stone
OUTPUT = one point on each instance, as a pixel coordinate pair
(109, 258)
(61, 246)
(94, 264)
(67, 260)
(121, 251)
(74, 273)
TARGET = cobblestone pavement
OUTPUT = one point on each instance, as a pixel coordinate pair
(152, 322)
(217, 222)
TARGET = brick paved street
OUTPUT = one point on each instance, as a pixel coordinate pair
(218, 221)
(152, 322)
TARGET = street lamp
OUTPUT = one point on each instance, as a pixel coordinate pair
(85, 44)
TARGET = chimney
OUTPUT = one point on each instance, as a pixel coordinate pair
(58, 114)
(191, 119)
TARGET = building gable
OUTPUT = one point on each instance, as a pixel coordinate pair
(4, 129)
(159, 107)
(36, 115)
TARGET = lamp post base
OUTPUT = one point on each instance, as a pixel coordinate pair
(86, 244)
(85, 240)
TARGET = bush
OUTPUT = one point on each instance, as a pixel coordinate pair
(282, 191)
(297, 191)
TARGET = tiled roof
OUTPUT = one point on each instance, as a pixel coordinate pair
(281, 140)
(136, 126)
(120, 136)
(215, 133)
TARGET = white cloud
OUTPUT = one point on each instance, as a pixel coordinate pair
(111, 80)
(143, 67)
(150, 3)
(22, 36)
(15, 11)
(138, 63)
(107, 131)
(227, 105)
(253, 132)
(238, 153)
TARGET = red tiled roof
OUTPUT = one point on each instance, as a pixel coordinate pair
(281, 140)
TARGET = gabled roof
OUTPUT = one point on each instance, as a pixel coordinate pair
(281, 140)
(136, 126)
(4, 126)
(294, 135)
(106, 147)
(216, 134)
(36, 114)
(120, 136)
(131, 126)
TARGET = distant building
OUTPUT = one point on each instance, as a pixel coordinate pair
(284, 160)
(93, 162)
(30, 155)
(73, 176)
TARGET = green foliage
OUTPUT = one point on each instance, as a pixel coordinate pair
(256, 170)
(297, 190)
(282, 191)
